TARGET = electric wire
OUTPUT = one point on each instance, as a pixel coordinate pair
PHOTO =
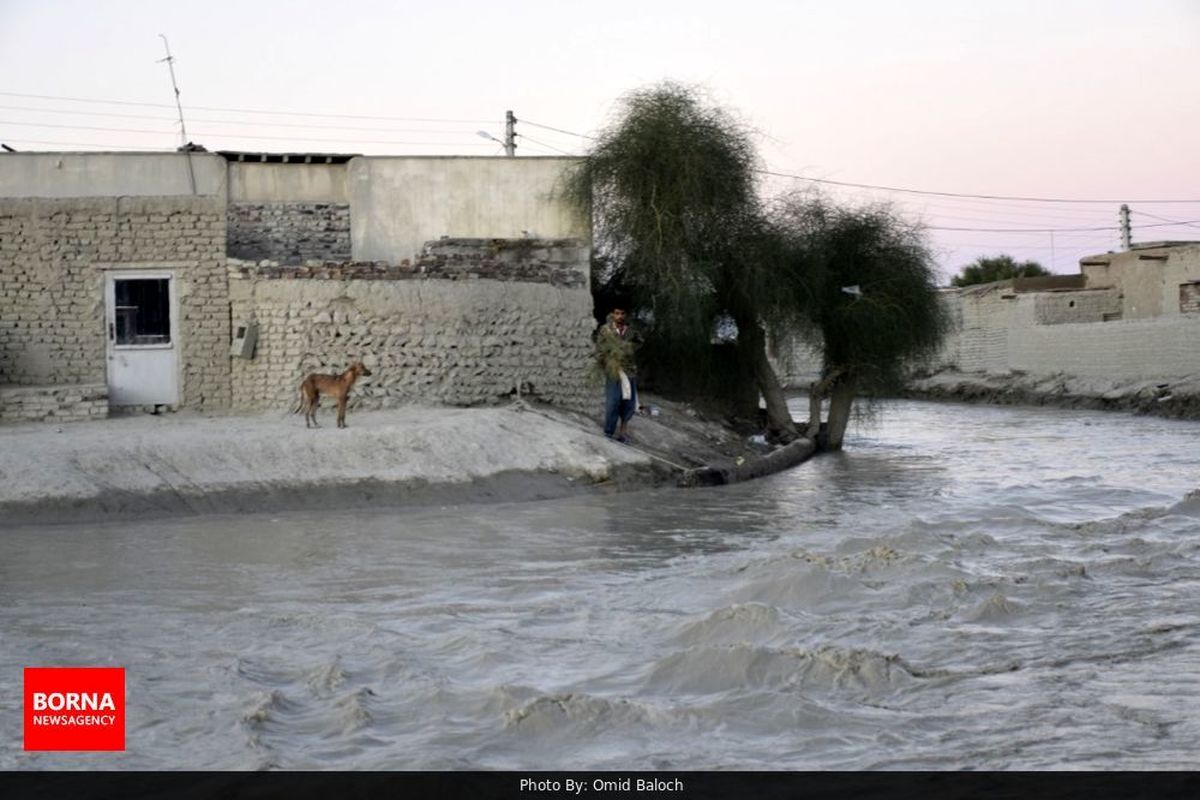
(556, 130)
(528, 138)
(960, 194)
(240, 110)
(199, 134)
(1164, 219)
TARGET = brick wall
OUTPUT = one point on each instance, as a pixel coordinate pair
(53, 258)
(53, 403)
(484, 316)
(289, 233)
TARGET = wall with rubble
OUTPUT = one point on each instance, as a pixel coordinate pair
(470, 321)
(289, 212)
(400, 203)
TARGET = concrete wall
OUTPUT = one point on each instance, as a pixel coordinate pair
(452, 336)
(54, 253)
(1148, 277)
(297, 182)
(398, 204)
(110, 174)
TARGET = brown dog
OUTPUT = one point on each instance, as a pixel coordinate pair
(336, 386)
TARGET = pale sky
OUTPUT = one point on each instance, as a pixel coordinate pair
(1071, 99)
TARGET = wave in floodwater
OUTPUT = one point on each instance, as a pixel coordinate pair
(963, 587)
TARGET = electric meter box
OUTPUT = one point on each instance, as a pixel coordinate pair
(245, 336)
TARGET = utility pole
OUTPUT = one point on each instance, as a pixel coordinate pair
(183, 138)
(1126, 236)
(510, 136)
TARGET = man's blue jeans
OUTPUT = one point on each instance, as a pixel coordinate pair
(615, 408)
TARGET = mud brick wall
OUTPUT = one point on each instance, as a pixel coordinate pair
(482, 319)
(1061, 308)
(289, 233)
(1001, 335)
(53, 403)
(53, 258)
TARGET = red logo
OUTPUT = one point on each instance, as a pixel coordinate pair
(74, 708)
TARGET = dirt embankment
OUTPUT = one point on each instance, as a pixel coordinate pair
(1177, 399)
(190, 463)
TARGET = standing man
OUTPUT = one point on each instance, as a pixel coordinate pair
(615, 344)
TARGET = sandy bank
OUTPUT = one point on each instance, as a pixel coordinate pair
(1177, 398)
(190, 463)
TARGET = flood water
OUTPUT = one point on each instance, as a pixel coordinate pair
(963, 587)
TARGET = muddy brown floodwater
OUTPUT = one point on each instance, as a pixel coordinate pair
(964, 586)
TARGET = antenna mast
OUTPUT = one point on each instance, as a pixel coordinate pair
(183, 137)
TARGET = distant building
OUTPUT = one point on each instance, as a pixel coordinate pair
(1125, 316)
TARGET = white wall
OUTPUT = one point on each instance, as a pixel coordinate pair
(287, 183)
(399, 203)
(110, 174)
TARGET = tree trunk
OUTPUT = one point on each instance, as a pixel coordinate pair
(779, 418)
(841, 401)
(752, 345)
(815, 397)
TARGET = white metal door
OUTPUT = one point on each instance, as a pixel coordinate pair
(143, 348)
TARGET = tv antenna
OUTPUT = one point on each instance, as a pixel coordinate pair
(183, 137)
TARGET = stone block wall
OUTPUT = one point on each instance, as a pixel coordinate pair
(54, 253)
(53, 403)
(289, 233)
(468, 323)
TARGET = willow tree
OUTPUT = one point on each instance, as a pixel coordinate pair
(867, 297)
(671, 186)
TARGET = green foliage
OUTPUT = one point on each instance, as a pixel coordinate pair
(671, 187)
(893, 318)
(613, 354)
(684, 241)
(986, 269)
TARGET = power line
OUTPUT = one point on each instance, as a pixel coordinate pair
(212, 134)
(529, 138)
(901, 189)
(957, 194)
(1050, 230)
(259, 123)
(238, 110)
(88, 144)
(1164, 219)
(556, 130)
(91, 113)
